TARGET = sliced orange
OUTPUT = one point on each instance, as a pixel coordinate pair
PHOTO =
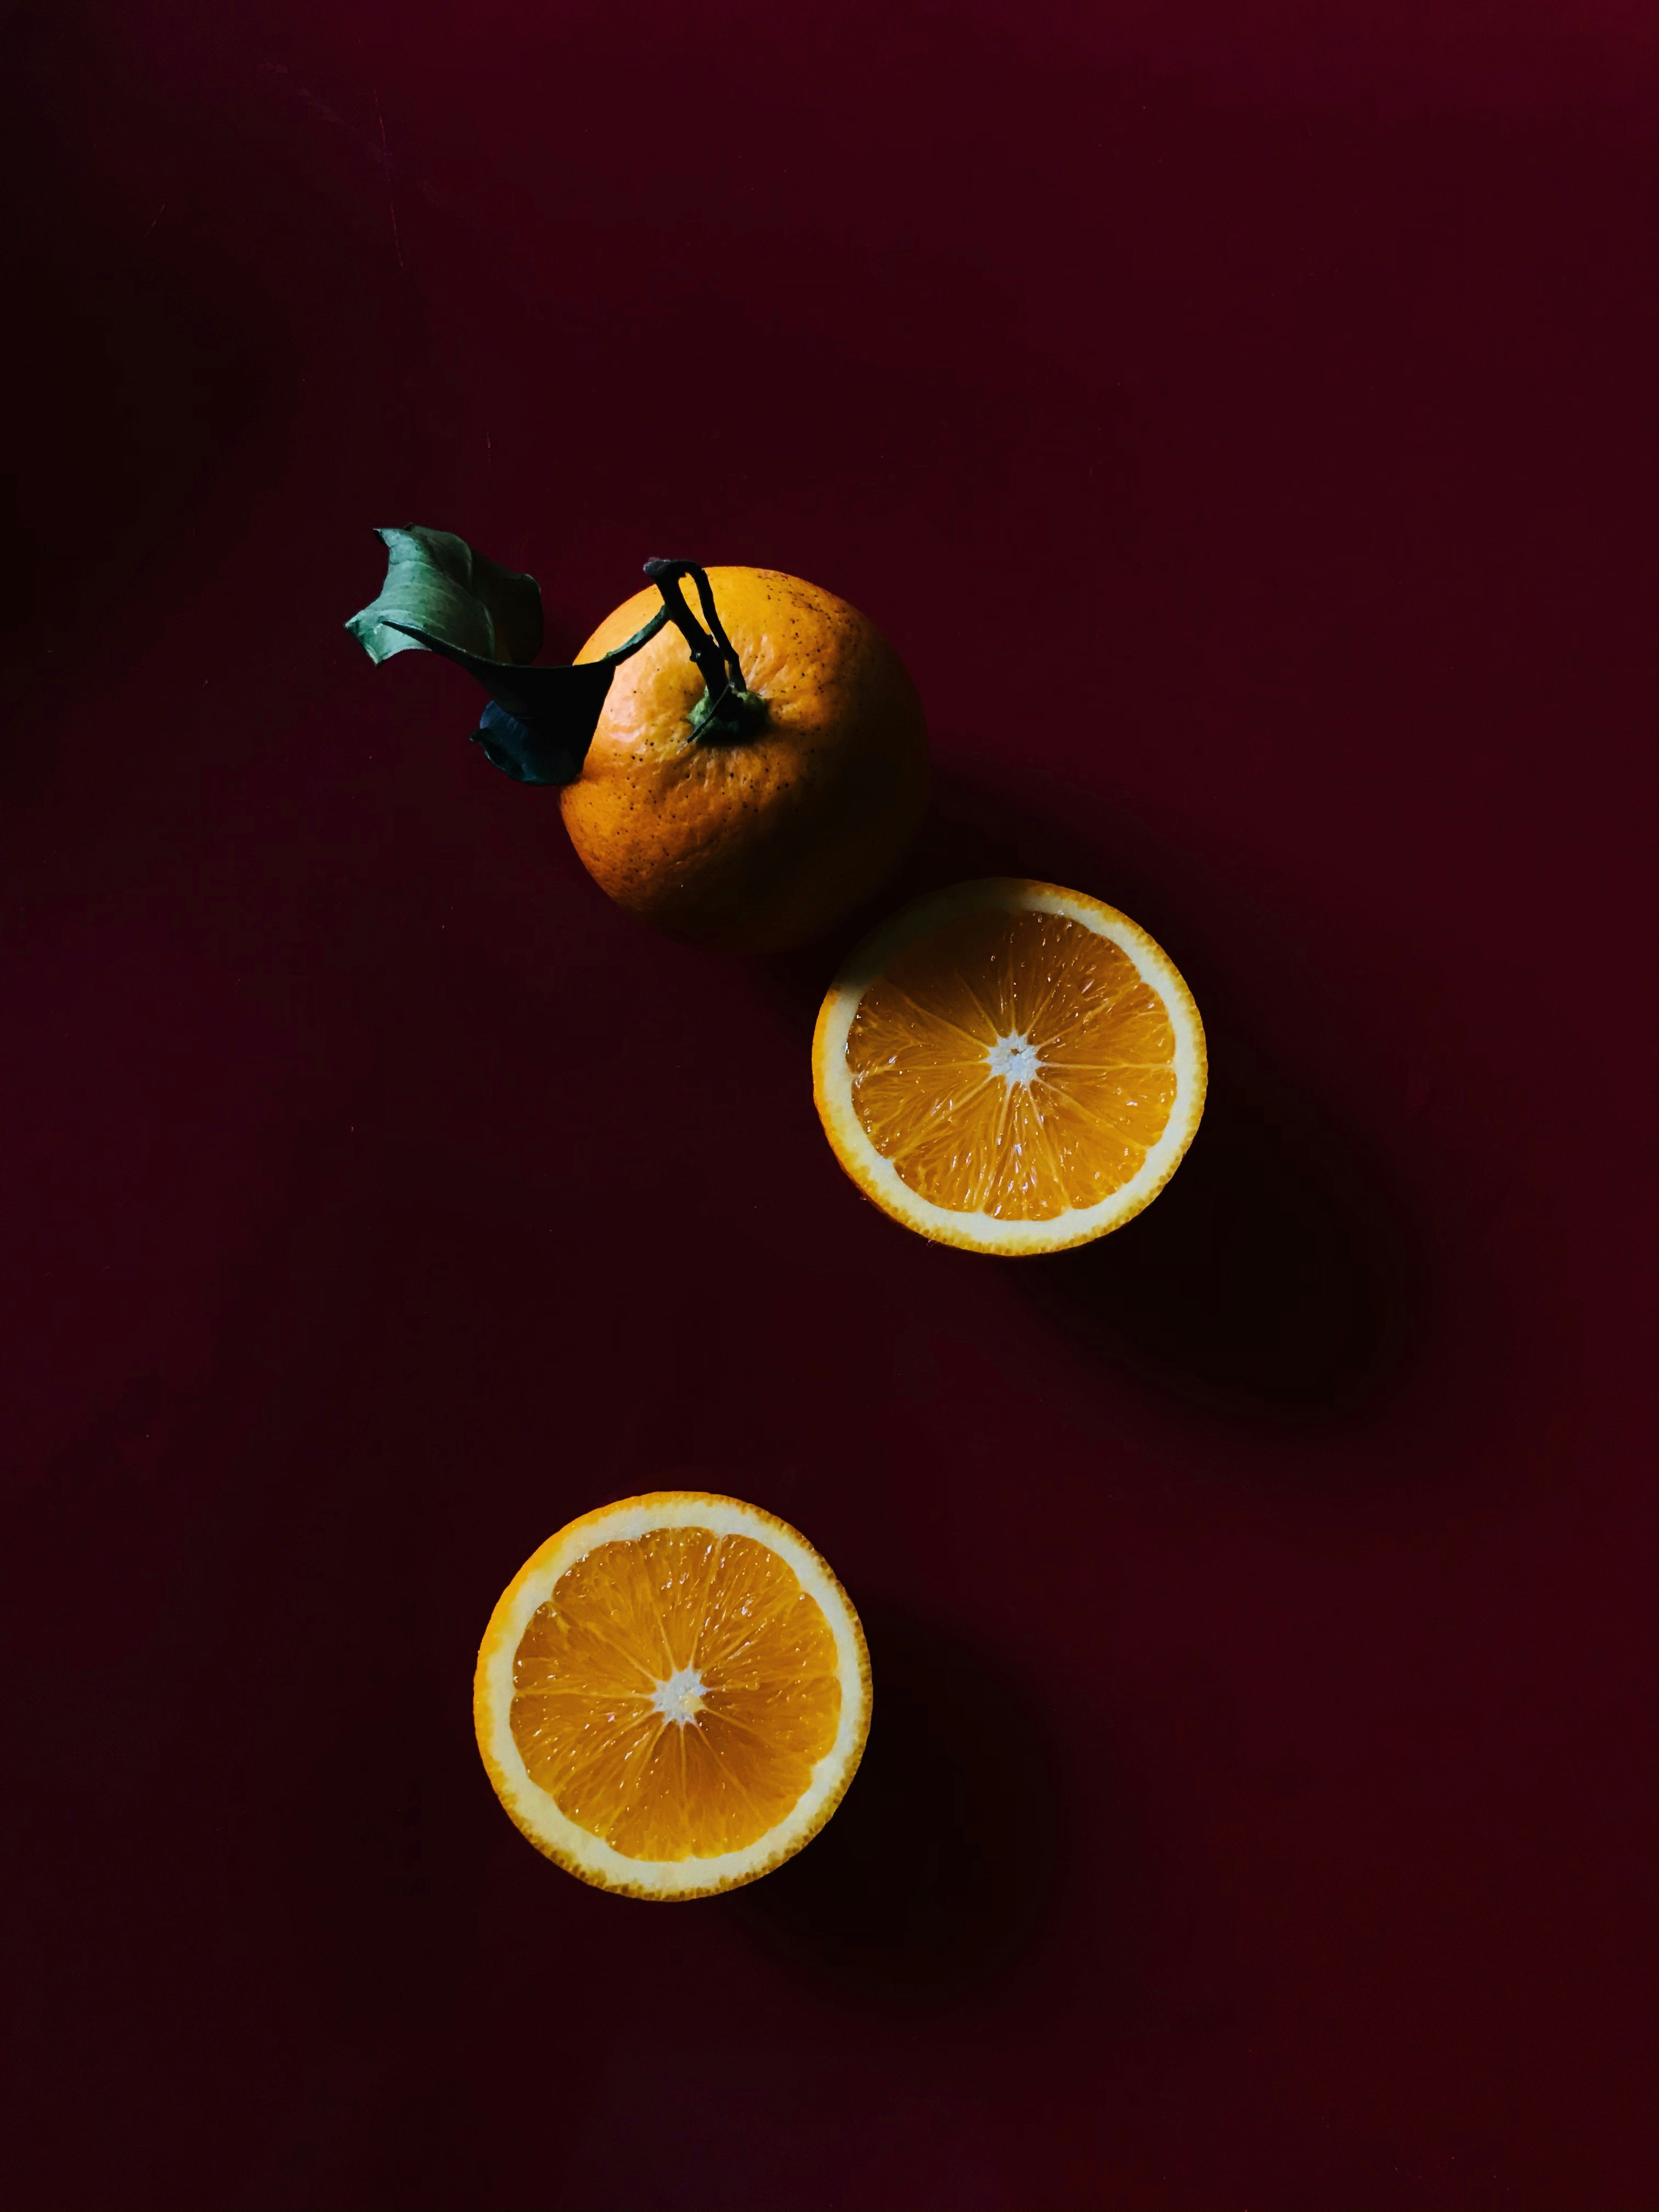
(672, 1695)
(1010, 1066)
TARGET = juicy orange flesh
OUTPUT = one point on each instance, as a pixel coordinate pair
(969, 1138)
(630, 1616)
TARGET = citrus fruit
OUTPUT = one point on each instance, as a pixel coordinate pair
(741, 776)
(1010, 1066)
(672, 1695)
(760, 837)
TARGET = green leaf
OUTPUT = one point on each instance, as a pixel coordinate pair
(441, 597)
(435, 583)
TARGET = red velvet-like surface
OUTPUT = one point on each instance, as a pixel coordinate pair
(1239, 419)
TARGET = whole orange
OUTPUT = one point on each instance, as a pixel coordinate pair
(759, 842)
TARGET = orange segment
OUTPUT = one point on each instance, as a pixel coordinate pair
(1072, 1006)
(672, 1694)
(755, 1665)
(1010, 1066)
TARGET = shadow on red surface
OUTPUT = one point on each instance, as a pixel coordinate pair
(970, 1888)
(1271, 1275)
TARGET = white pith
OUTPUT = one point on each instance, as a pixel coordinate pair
(1014, 1058)
(680, 1696)
(986, 1232)
(536, 1811)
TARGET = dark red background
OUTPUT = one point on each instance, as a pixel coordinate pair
(1238, 417)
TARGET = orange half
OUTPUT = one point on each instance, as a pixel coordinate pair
(1010, 1066)
(672, 1695)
